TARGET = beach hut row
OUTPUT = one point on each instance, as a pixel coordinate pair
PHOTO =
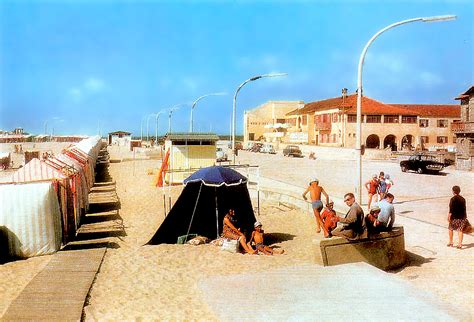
(42, 204)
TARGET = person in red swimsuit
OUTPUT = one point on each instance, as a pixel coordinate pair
(371, 187)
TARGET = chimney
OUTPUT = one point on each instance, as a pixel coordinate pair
(344, 94)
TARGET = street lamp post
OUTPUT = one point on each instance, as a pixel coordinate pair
(148, 126)
(157, 116)
(194, 105)
(358, 187)
(170, 112)
(235, 100)
(141, 128)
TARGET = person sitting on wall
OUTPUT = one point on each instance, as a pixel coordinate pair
(354, 227)
(329, 218)
(230, 231)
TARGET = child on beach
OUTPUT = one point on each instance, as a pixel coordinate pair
(315, 191)
(329, 218)
(257, 237)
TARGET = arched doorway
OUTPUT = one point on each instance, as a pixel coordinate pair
(407, 142)
(390, 141)
(372, 142)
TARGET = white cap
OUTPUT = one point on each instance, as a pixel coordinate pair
(257, 224)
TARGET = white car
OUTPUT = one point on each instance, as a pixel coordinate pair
(221, 155)
(267, 148)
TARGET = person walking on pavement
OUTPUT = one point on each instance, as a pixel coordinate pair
(457, 217)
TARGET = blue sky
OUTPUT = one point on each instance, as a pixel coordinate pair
(78, 64)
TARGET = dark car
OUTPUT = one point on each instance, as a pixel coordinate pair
(421, 163)
(292, 150)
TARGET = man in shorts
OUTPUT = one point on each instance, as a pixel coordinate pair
(315, 191)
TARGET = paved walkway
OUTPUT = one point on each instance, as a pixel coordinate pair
(316, 293)
(59, 291)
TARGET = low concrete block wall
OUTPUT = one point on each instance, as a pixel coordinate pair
(385, 250)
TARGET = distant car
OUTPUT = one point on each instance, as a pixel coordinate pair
(221, 155)
(238, 145)
(256, 147)
(292, 150)
(249, 145)
(421, 163)
(267, 148)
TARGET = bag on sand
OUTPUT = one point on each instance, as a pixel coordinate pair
(230, 245)
(467, 228)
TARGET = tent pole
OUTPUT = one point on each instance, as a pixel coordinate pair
(194, 211)
(217, 212)
(164, 204)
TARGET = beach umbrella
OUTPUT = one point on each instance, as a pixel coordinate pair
(216, 176)
(200, 209)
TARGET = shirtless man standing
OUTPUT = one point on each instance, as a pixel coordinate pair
(315, 191)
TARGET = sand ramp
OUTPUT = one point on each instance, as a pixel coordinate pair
(59, 291)
(311, 292)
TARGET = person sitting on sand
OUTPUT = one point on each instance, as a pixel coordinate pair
(257, 237)
(231, 232)
(329, 218)
(315, 191)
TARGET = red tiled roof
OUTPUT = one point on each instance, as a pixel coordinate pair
(433, 110)
(466, 94)
(349, 105)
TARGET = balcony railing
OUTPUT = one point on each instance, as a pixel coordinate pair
(462, 127)
(322, 125)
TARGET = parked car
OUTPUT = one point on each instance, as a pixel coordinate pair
(238, 145)
(268, 148)
(221, 155)
(249, 145)
(256, 147)
(421, 163)
(292, 150)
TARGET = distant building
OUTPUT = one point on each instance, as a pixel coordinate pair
(332, 122)
(268, 121)
(188, 152)
(120, 138)
(464, 131)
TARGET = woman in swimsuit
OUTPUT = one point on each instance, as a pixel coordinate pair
(231, 232)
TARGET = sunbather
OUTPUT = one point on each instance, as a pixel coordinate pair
(257, 237)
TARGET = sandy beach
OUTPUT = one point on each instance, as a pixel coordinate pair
(161, 281)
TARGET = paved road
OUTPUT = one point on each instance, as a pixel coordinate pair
(423, 197)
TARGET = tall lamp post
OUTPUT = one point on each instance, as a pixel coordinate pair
(170, 112)
(358, 187)
(141, 128)
(194, 105)
(235, 100)
(148, 126)
(157, 116)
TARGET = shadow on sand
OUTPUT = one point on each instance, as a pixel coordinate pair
(274, 238)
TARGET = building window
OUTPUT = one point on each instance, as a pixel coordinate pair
(424, 139)
(351, 118)
(391, 119)
(374, 119)
(454, 139)
(335, 117)
(304, 120)
(280, 121)
(424, 123)
(442, 139)
(442, 123)
(408, 119)
(292, 122)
